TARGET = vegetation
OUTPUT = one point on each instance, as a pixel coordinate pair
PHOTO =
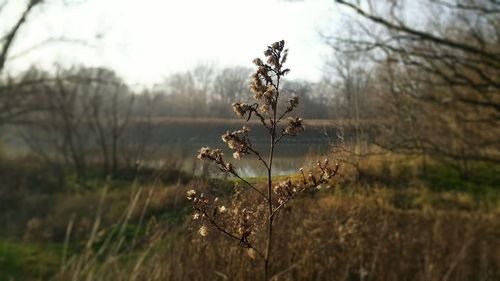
(94, 171)
(380, 233)
(244, 218)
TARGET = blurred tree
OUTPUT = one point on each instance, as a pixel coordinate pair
(188, 93)
(107, 104)
(230, 84)
(58, 133)
(141, 137)
(441, 81)
(311, 106)
(83, 116)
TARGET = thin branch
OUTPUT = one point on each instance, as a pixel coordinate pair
(9, 38)
(47, 42)
(259, 157)
(306, 187)
(279, 138)
(250, 185)
(261, 118)
(227, 233)
(422, 35)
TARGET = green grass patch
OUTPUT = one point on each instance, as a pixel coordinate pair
(26, 261)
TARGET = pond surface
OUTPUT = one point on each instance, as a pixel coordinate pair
(288, 158)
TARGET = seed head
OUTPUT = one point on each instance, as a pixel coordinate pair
(190, 194)
(203, 231)
(293, 102)
(241, 108)
(203, 153)
(264, 108)
(294, 126)
(257, 62)
(272, 60)
(229, 167)
(251, 253)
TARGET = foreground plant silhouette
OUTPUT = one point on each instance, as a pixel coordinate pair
(250, 222)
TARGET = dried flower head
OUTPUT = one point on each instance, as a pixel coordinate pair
(241, 109)
(284, 57)
(278, 45)
(229, 168)
(210, 154)
(238, 141)
(272, 60)
(190, 194)
(294, 126)
(203, 153)
(265, 108)
(258, 62)
(251, 253)
(293, 103)
(215, 156)
(203, 231)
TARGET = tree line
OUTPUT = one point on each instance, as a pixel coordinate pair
(436, 77)
(426, 86)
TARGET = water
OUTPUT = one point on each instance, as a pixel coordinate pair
(288, 158)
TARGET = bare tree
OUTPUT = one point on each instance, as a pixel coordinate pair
(7, 39)
(461, 53)
(12, 97)
(139, 139)
(58, 133)
(187, 96)
(355, 103)
(83, 115)
(108, 106)
(442, 79)
(230, 84)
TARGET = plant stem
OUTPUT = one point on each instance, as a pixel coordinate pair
(270, 209)
(270, 184)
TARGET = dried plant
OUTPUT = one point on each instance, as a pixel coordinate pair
(248, 221)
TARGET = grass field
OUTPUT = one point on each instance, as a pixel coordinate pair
(346, 232)
(388, 218)
(350, 231)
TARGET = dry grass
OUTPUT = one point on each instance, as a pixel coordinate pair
(356, 236)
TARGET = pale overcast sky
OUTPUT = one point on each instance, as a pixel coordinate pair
(145, 40)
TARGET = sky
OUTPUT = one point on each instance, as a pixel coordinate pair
(146, 40)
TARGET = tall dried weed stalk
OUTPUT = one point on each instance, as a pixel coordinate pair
(249, 215)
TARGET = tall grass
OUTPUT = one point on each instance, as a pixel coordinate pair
(339, 235)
